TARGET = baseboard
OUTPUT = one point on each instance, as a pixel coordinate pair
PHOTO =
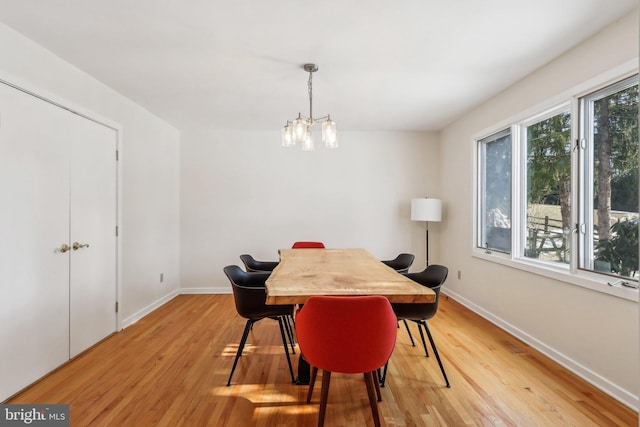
(206, 290)
(623, 396)
(148, 309)
(158, 303)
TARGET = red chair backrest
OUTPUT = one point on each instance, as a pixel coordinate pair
(347, 334)
(308, 245)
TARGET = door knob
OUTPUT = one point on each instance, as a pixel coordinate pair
(64, 248)
(77, 246)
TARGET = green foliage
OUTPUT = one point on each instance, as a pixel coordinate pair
(621, 250)
(548, 157)
(621, 122)
(624, 191)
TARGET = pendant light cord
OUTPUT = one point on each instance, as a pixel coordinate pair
(310, 85)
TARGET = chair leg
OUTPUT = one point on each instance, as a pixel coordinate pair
(312, 382)
(424, 344)
(376, 383)
(383, 378)
(287, 322)
(406, 325)
(326, 379)
(435, 351)
(245, 334)
(368, 379)
(286, 347)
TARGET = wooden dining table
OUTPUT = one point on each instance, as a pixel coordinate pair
(302, 273)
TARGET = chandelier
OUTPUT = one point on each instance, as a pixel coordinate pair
(299, 130)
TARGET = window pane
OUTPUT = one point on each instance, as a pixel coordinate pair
(614, 131)
(548, 213)
(495, 192)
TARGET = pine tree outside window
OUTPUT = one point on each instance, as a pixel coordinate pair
(609, 186)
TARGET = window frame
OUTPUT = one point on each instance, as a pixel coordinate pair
(571, 273)
(481, 207)
(522, 127)
(587, 155)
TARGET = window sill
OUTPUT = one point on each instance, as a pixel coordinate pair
(593, 281)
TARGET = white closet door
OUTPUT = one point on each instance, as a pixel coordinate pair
(34, 223)
(93, 223)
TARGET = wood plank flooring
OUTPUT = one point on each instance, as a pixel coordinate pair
(171, 368)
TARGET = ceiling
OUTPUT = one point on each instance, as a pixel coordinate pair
(237, 64)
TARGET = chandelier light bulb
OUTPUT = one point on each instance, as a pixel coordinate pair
(299, 129)
(329, 134)
(308, 144)
(287, 136)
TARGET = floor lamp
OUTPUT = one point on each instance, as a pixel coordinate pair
(426, 210)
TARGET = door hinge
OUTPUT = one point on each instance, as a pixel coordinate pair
(116, 231)
(117, 155)
(116, 306)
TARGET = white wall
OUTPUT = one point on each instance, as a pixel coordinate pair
(241, 192)
(149, 226)
(594, 334)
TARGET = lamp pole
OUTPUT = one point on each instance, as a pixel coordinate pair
(426, 210)
(427, 243)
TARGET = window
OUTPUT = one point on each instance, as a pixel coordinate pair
(495, 187)
(559, 189)
(548, 187)
(609, 190)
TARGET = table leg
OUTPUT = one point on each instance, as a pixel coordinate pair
(303, 371)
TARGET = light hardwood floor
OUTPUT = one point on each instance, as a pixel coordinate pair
(171, 368)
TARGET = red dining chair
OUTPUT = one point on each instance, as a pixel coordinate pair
(346, 334)
(308, 245)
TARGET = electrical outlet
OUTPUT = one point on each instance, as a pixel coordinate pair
(459, 274)
(162, 277)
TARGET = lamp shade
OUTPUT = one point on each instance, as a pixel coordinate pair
(426, 210)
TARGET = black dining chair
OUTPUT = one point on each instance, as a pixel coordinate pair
(433, 277)
(401, 263)
(249, 294)
(253, 265)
